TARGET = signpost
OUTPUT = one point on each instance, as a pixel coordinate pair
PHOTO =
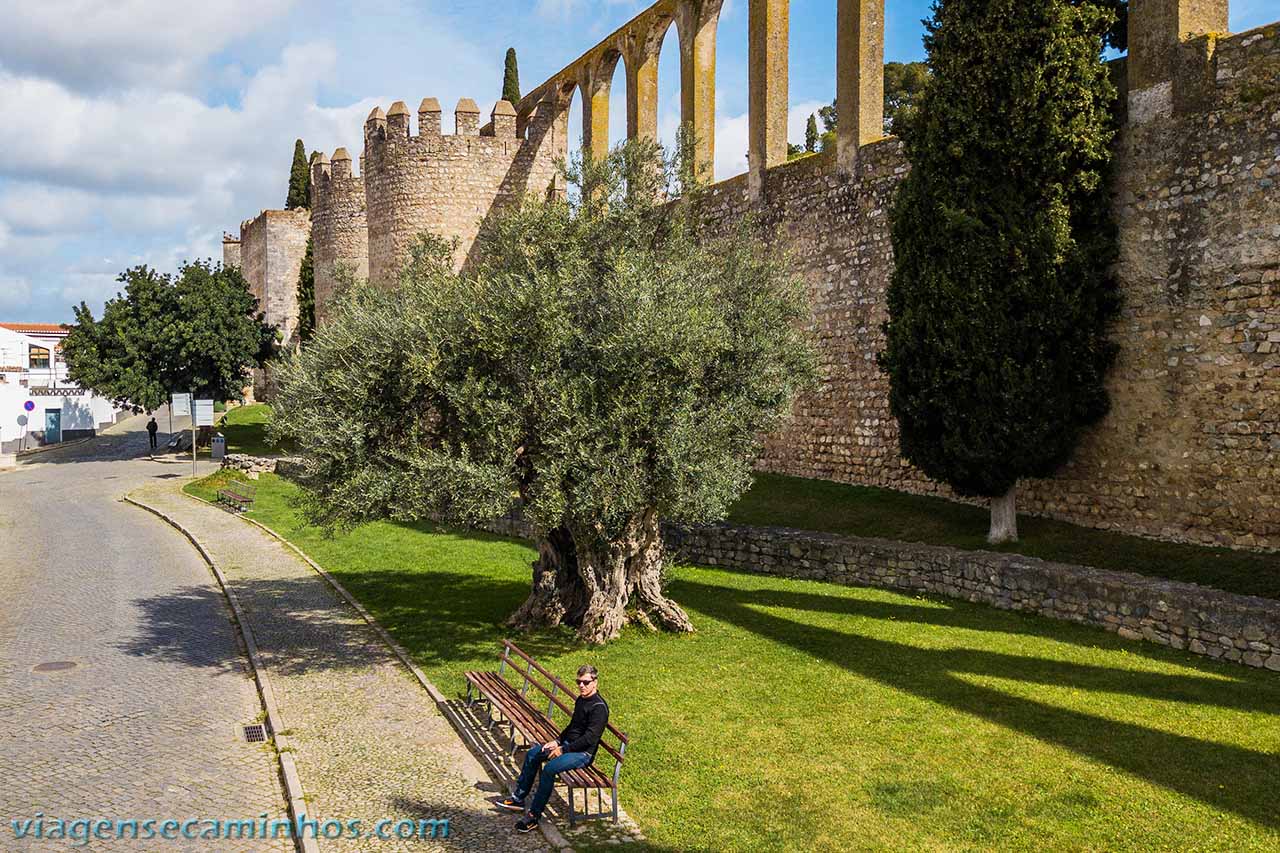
(29, 406)
(203, 416)
(180, 405)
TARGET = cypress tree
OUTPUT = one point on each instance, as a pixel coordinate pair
(996, 344)
(811, 134)
(299, 179)
(306, 297)
(511, 79)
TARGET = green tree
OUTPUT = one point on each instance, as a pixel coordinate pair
(811, 134)
(1001, 294)
(602, 367)
(511, 78)
(299, 179)
(306, 296)
(200, 331)
(904, 83)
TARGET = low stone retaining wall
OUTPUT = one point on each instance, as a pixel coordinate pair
(1239, 628)
(285, 466)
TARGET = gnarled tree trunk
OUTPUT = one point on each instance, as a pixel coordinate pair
(597, 584)
(1004, 518)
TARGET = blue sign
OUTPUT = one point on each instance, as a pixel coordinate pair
(29, 406)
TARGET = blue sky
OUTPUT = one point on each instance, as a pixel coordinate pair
(136, 131)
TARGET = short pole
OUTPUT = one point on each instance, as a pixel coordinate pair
(193, 434)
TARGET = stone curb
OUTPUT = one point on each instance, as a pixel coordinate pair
(45, 448)
(547, 825)
(284, 749)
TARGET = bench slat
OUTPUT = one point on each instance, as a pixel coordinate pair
(533, 725)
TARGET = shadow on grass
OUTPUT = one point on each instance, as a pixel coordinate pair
(1187, 765)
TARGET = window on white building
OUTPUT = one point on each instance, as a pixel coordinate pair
(39, 357)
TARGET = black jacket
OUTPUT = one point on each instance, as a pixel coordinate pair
(586, 726)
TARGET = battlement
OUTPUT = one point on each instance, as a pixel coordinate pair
(394, 126)
(447, 184)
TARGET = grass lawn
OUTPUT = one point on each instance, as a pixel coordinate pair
(781, 501)
(245, 428)
(805, 715)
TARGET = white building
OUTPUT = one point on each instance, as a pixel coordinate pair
(38, 405)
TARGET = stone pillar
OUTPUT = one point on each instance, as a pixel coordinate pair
(767, 79)
(429, 118)
(466, 118)
(696, 21)
(1156, 27)
(642, 94)
(503, 120)
(398, 121)
(595, 86)
(859, 77)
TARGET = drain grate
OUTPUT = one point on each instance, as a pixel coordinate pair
(54, 666)
(257, 733)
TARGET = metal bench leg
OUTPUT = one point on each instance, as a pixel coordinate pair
(615, 803)
(469, 700)
(570, 793)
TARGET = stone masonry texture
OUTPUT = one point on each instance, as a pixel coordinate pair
(1239, 628)
(1191, 448)
(339, 227)
(271, 251)
(446, 184)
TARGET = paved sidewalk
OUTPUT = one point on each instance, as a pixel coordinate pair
(141, 715)
(370, 743)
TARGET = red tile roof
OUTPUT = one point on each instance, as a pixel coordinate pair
(35, 328)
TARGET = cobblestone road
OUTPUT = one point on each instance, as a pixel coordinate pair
(370, 743)
(146, 722)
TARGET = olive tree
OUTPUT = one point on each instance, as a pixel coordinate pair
(602, 365)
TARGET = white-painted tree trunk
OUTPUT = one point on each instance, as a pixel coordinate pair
(1004, 518)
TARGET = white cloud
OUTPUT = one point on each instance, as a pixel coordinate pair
(40, 209)
(732, 137)
(15, 293)
(93, 45)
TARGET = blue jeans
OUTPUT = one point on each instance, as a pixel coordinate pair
(562, 762)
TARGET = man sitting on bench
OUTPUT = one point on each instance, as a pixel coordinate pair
(576, 747)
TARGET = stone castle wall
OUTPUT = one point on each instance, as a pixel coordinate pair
(1191, 448)
(230, 251)
(339, 227)
(271, 250)
(447, 184)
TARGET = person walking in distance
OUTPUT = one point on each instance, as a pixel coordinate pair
(152, 429)
(575, 747)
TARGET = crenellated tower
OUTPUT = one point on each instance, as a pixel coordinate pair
(448, 184)
(339, 227)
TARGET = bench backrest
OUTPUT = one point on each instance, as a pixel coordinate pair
(524, 673)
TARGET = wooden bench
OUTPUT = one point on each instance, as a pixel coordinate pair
(507, 691)
(238, 494)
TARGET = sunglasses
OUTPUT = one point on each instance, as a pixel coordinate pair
(585, 681)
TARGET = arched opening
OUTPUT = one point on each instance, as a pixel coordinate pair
(733, 92)
(812, 64)
(669, 87)
(618, 103)
(573, 147)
